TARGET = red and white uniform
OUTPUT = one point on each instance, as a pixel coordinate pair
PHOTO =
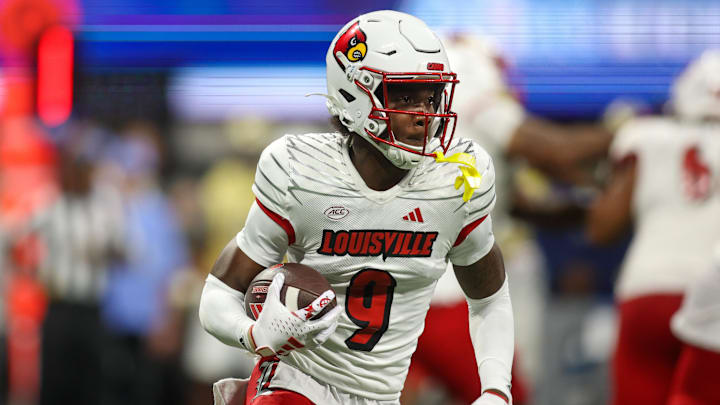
(381, 251)
(676, 216)
(697, 324)
(675, 210)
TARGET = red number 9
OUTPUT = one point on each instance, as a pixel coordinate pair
(368, 300)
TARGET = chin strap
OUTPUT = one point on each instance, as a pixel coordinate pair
(469, 177)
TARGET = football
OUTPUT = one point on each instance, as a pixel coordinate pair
(302, 285)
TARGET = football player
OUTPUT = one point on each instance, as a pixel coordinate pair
(379, 208)
(663, 179)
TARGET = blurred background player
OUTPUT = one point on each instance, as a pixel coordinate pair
(492, 116)
(663, 181)
(697, 324)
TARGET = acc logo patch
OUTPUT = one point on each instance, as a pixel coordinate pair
(352, 44)
(336, 213)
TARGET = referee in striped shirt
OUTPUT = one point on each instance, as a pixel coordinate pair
(82, 234)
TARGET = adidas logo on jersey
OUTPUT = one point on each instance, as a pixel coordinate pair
(414, 216)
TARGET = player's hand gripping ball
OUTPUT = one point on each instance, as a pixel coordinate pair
(294, 307)
(302, 286)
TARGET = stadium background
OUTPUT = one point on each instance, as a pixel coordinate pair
(207, 84)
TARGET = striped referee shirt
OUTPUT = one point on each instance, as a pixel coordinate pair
(81, 236)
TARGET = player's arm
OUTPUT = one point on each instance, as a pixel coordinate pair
(491, 323)
(556, 148)
(262, 242)
(222, 304)
(484, 277)
(479, 268)
(234, 268)
(611, 213)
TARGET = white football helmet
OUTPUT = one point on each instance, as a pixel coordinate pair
(696, 92)
(381, 48)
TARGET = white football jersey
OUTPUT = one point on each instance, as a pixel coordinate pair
(698, 320)
(381, 251)
(675, 204)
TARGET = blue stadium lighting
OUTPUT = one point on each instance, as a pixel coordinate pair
(206, 94)
(567, 59)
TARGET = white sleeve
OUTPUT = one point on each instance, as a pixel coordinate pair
(630, 139)
(268, 229)
(262, 239)
(475, 238)
(222, 313)
(272, 178)
(492, 332)
(475, 245)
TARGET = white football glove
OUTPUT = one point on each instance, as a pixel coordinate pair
(278, 330)
(489, 399)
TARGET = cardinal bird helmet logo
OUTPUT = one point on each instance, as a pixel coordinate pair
(352, 44)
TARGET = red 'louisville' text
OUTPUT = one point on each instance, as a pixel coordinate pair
(375, 243)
